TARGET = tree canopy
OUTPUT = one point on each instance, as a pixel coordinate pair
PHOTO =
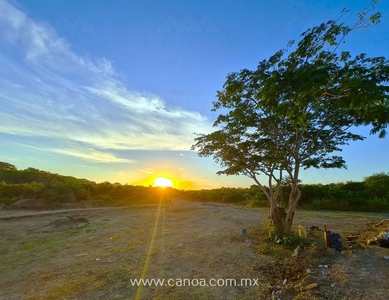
(297, 109)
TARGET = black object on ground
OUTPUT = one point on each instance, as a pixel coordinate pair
(335, 240)
(384, 243)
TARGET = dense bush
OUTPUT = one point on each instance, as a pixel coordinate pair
(372, 194)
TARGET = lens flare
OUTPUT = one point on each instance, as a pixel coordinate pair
(163, 182)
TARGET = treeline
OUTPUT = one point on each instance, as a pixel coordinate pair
(32, 183)
(372, 194)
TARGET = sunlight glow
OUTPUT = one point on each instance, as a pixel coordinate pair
(163, 182)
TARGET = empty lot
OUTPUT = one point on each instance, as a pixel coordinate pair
(96, 253)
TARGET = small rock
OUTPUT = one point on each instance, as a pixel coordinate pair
(297, 251)
(311, 286)
(320, 266)
(325, 266)
(386, 257)
(309, 271)
(269, 287)
(332, 285)
(285, 282)
(97, 259)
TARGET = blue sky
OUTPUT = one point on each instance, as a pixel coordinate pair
(114, 90)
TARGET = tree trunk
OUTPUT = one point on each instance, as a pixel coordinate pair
(275, 213)
(294, 197)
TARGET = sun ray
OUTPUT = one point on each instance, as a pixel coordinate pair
(149, 252)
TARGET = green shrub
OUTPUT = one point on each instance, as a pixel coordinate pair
(291, 241)
(255, 203)
(352, 204)
(275, 243)
(102, 199)
(8, 200)
(375, 204)
(20, 190)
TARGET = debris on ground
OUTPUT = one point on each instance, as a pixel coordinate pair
(373, 234)
(313, 230)
(302, 231)
(351, 241)
(296, 252)
(384, 244)
(310, 286)
(382, 239)
(334, 240)
(384, 222)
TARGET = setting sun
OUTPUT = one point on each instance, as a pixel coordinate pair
(163, 182)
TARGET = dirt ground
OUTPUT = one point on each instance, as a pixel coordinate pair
(96, 253)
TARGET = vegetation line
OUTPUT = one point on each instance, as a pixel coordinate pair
(36, 189)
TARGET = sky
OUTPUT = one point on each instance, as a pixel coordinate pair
(116, 90)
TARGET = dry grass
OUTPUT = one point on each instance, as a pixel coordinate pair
(47, 257)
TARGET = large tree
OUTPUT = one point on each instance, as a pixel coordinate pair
(296, 109)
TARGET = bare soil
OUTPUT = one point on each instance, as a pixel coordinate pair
(95, 253)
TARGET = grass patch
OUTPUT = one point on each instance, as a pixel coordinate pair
(341, 214)
(269, 248)
(272, 243)
(116, 236)
(28, 246)
(53, 241)
(67, 288)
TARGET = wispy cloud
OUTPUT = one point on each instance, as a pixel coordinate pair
(147, 171)
(46, 90)
(91, 154)
(77, 150)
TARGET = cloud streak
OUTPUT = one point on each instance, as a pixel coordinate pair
(48, 91)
